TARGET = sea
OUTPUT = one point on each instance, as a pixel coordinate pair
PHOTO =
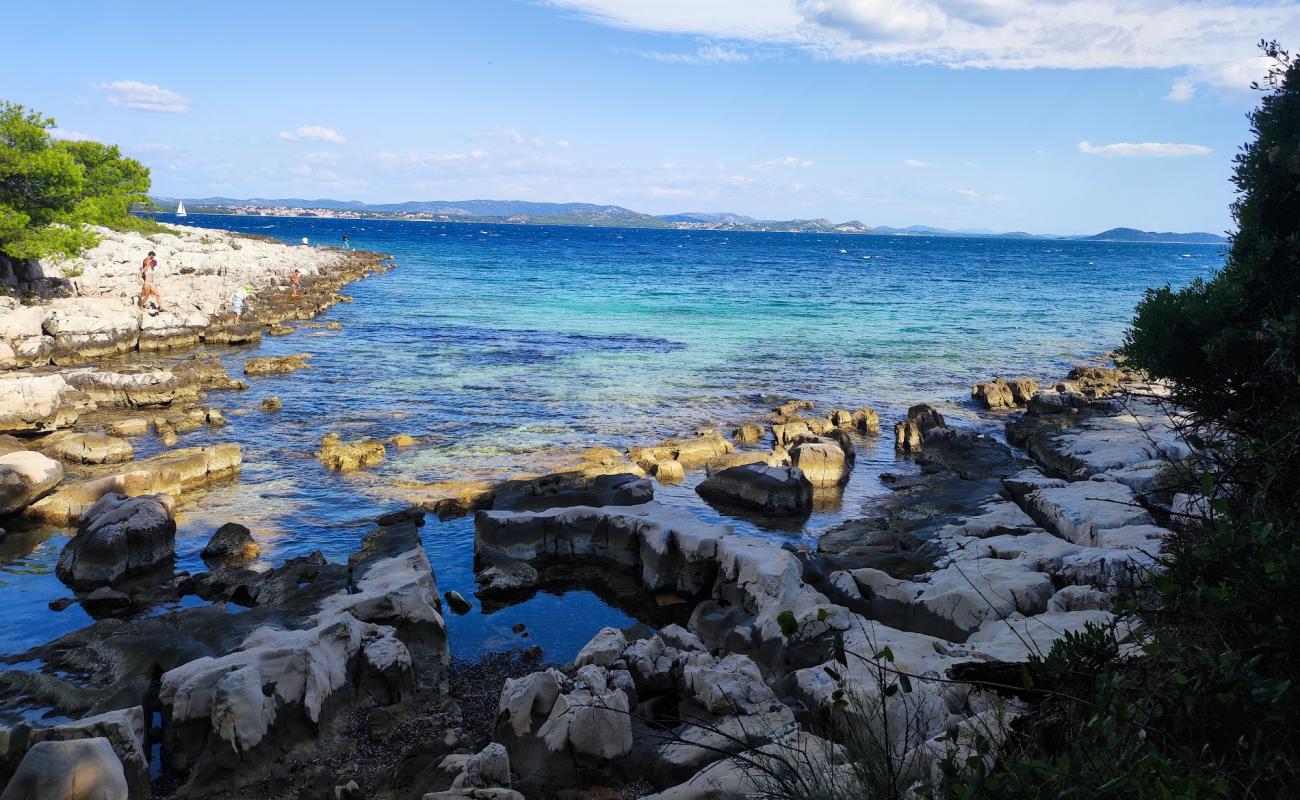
(503, 348)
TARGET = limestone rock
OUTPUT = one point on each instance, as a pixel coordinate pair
(748, 434)
(231, 544)
(271, 403)
(119, 537)
(779, 491)
(77, 769)
(603, 650)
(90, 448)
(25, 476)
(276, 365)
(822, 461)
(690, 452)
(343, 456)
(669, 471)
(457, 602)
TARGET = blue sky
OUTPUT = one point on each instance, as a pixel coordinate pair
(1066, 116)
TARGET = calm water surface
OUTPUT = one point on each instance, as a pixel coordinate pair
(500, 347)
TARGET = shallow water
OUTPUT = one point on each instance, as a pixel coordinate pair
(501, 346)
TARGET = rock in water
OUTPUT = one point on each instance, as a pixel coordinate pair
(343, 456)
(995, 394)
(24, 477)
(669, 471)
(91, 448)
(231, 544)
(823, 461)
(119, 537)
(779, 491)
(272, 403)
(457, 602)
(84, 769)
(748, 434)
(276, 365)
(910, 434)
(403, 440)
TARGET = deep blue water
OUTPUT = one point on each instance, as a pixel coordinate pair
(502, 347)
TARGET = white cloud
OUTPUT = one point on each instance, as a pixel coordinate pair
(432, 159)
(1143, 149)
(519, 138)
(313, 133)
(918, 164)
(1182, 90)
(70, 136)
(1209, 40)
(971, 194)
(788, 161)
(562, 143)
(144, 97)
(705, 54)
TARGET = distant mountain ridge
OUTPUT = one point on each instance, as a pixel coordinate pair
(526, 212)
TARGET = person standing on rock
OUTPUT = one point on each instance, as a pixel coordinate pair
(293, 283)
(237, 303)
(148, 274)
(346, 244)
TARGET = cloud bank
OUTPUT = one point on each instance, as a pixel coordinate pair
(313, 133)
(144, 97)
(1143, 149)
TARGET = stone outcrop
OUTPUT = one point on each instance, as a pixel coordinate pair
(909, 435)
(88, 448)
(689, 452)
(1000, 394)
(26, 476)
(119, 538)
(123, 731)
(778, 491)
(342, 456)
(76, 769)
(37, 403)
(231, 544)
(823, 461)
(173, 472)
(276, 365)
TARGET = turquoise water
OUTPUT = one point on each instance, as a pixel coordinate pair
(501, 347)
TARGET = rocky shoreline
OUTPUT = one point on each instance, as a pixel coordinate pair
(985, 557)
(324, 680)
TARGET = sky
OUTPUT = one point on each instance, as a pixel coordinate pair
(1050, 116)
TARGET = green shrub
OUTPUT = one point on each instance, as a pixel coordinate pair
(49, 190)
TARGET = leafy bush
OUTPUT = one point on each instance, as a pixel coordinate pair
(1211, 706)
(50, 189)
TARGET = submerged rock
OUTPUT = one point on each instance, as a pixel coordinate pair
(276, 365)
(343, 456)
(271, 403)
(457, 602)
(118, 538)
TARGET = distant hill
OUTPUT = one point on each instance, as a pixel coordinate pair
(1135, 235)
(524, 212)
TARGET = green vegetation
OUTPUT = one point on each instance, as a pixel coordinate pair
(50, 189)
(1211, 707)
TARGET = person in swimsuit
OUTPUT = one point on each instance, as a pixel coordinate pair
(148, 276)
(293, 283)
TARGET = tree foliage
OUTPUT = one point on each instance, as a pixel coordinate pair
(50, 189)
(1211, 707)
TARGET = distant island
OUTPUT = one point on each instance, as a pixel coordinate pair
(522, 212)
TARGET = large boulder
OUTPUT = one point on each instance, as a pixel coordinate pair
(123, 729)
(25, 476)
(77, 769)
(909, 435)
(30, 403)
(118, 538)
(231, 544)
(778, 491)
(690, 452)
(822, 461)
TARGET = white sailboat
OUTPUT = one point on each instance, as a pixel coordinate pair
(180, 208)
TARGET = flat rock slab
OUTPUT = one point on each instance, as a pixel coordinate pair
(1078, 511)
